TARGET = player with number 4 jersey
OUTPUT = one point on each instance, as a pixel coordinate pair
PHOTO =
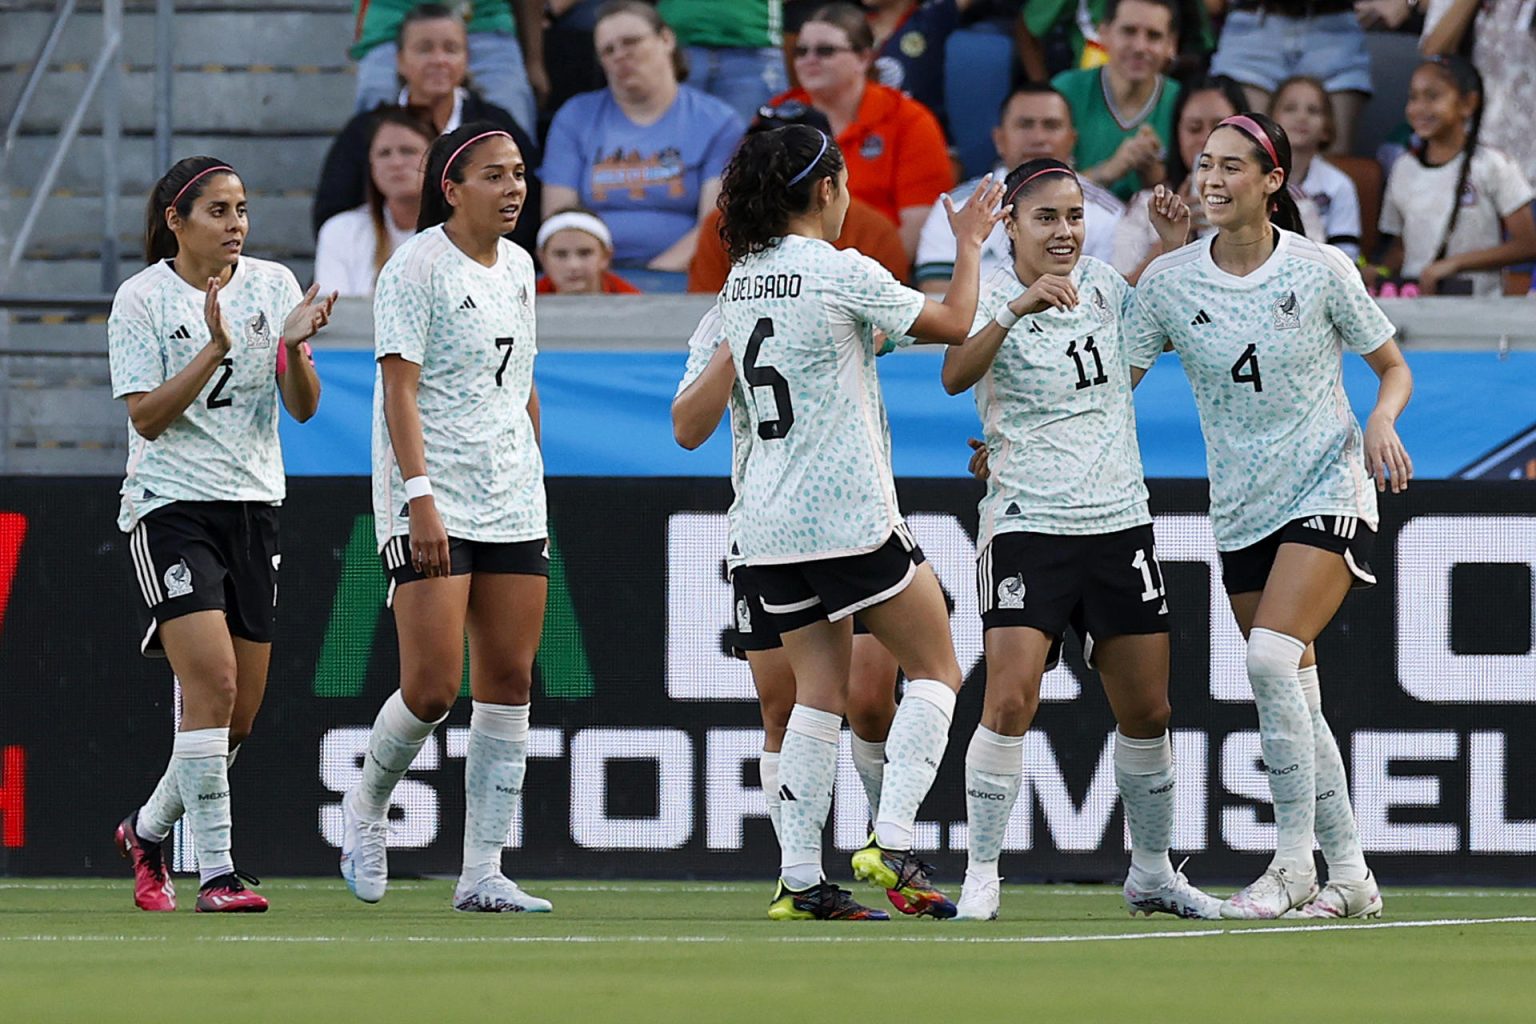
(458, 492)
(1066, 538)
(1261, 317)
(819, 525)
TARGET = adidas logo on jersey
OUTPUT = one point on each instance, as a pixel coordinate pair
(785, 794)
(468, 303)
(181, 334)
(1013, 509)
(1339, 526)
(1035, 328)
(1201, 318)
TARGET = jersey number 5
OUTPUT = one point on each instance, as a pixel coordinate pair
(505, 344)
(1083, 380)
(768, 377)
(1246, 369)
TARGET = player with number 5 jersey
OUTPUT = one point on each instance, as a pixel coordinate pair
(1066, 537)
(1261, 317)
(819, 526)
(205, 343)
(458, 505)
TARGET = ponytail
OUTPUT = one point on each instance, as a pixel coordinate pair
(1272, 149)
(178, 189)
(772, 177)
(445, 162)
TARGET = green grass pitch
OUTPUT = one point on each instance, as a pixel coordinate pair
(74, 950)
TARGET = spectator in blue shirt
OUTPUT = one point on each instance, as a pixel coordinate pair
(646, 153)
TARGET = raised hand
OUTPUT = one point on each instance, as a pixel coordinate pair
(308, 317)
(973, 222)
(1170, 217)
(213, 316)
(1050, 291)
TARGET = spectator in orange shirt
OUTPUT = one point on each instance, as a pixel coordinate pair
(898, 161)
(865, 228)
(576, 249)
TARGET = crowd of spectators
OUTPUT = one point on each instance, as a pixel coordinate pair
(628, 110)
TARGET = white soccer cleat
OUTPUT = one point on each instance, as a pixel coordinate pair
(978, 900)
(1276, 891)
(364, 854)
(497, 894)
(1340, 899)
(1178, 897)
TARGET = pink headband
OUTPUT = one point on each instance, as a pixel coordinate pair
(1037, 174)
(447, 166)
(1248, 126)
(198, 175)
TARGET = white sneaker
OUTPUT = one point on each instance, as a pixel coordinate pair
(1343, 899)
(1276, 891)
(1178, 897)
(979, 899)
(364, 854)
(497, 894)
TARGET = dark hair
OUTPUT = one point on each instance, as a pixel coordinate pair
(434, 203)
(647, 13)
(1283, 212)
(173, 187)
(1033, 89)
(1466, 79)
(1022, 181)
(757, 198)
(851, 19)
(1174, 9)
(1330, 123)
(789, 112)
(424, 12)
(1173, 162)
(413, 119)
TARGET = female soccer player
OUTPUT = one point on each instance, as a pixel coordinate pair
(1260, 317)
(193, 353)
(458, 505)
(819, 525)
(1065, 534)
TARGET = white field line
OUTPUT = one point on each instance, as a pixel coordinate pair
(1206, 933)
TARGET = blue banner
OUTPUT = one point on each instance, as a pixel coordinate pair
(607, 414)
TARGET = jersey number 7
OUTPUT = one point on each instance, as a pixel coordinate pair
(768, 377)
(506, 345)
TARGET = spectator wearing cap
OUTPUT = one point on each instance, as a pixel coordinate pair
(1034, 122)
(865, 229)
(505, 44)
(647, 152)
(576, 250)
(735, 51)
(897, 159)
(433, 63)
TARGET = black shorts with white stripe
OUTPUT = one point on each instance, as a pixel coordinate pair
(518, 558)
(1246, 570)
(797, 594)
(194, 556)
(753, 628)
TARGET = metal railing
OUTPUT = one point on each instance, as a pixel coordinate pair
(103, 79)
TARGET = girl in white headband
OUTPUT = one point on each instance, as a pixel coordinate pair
(576, 249)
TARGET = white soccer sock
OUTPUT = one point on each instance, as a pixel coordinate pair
(198, 760)
(163, 808)
(807, 772)
(1144, 776)
(869, 762)
(397, 736)
(1285, 736)
(913, 750)
(994, 769)
(1336, 831)
(768, 775)
(493, 781)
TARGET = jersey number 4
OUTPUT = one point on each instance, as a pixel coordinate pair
(768, 377)
(1083, 380)
(1246, 369)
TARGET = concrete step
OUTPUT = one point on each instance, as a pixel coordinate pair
(255, 35)
(265, 164)
(290, 102)
(83, 276)
(279, 223)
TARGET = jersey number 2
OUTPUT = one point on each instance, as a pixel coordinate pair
(1083, 380)
(506, 345)
(216, 397)
(1246, 369)
(768, 377)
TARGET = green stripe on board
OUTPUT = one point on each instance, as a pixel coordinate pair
(563, 666)
(360, 594)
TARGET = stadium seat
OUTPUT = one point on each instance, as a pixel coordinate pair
(1365, 172)
(978, 72)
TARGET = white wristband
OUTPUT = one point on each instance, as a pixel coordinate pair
(418, 487)
(1006, 318)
